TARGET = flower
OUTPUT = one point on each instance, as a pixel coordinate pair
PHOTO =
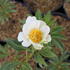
(34, 32)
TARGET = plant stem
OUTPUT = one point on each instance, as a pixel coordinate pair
(30, 56)
(26, 56)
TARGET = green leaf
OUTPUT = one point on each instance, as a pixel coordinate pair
(57, 29)
(52, 22)
(3, 55)
(65, 64)
(52, 67)
(22, 21)
(38, 14)
(38, 58)
(3, 49)
(65, 68)
(9, 65)
(58, 44)
(6, 7)
(15, 45)
(58, 36)
(46, 52)
(26, 66)
(64, 56)
(11, 11)
(48, 19)
(67, 1)
(3, 52)
(37, 69)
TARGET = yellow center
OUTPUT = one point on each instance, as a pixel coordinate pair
(35, 35)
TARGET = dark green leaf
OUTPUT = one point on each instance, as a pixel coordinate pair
(3, 55)
(58, 36)
(38, 58)
(52, 67)
(9, 65)
(46, 52)
(15, 45)
(3, 50)
(26, 66)
(58, 44)
(65, 64)
(6, 7)
(64, 56)
(57, 29)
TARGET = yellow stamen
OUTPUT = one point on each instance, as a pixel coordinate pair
(35, 35)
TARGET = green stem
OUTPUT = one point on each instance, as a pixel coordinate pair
(26, 55)
(30, 56)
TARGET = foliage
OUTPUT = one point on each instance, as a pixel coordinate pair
(32, 53)
(59, 63)
(6, 8)
(67, 0)
(55, 61)
(3, 52)
(9, 65)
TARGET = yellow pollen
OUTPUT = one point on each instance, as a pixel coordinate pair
(35, 35)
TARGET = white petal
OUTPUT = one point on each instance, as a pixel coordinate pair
(27, 27)
(44, 27)
(47, 39)
(26, 43)
(30, 19)
(37, 46)
(20, 37)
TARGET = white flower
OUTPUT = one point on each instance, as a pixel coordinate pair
(34, 32)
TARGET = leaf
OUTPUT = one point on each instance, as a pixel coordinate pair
(48, 19)
(65, 68)
(9, 65)
(57, 29)
(38, 14)
(52, 67)
(37, 68)
(65, 64)
(64, 56)
(52, 22)
(58, 36)
(3, 55)
(15, 45)
(6, 7)
(22, 21)
(46, 52)
(58, 44)
(38, 58)
(67, 0)
(3, 50)
(26, 66)
(11, 11)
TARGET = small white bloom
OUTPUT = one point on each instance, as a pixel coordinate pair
(34, 32)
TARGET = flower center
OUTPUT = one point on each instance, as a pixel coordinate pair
(35, 35)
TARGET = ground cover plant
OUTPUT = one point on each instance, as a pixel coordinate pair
(34, 47)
